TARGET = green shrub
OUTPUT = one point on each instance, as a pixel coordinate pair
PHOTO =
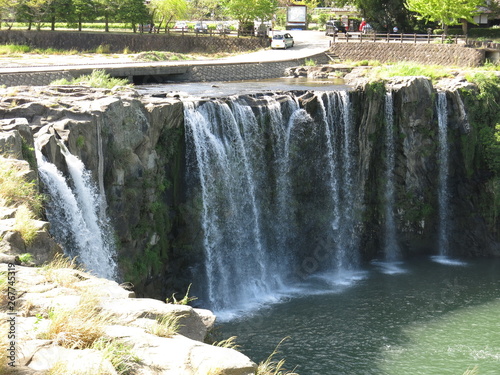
(98, 78)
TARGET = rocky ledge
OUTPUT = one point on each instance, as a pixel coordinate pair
(101, 315)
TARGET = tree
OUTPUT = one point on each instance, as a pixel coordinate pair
(35, 11)
(84, 10)
(445, 12)
(382, 14)
(246, 11)
(8, 9)
(205, 9)
(107, 9)
(166, 11)
(133, 12)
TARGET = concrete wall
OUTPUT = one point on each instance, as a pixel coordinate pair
(190, 72)
(117, 42)
(440, 54)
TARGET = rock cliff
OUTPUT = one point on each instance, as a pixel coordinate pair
(134, 147)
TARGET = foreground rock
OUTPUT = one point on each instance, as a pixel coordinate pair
(44, 294)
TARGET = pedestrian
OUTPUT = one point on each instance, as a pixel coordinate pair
(362, 25)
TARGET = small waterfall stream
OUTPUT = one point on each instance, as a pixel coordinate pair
(391, 247)
(443, 194)
(75, 211)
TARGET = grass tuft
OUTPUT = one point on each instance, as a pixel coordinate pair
(25, 224)
(16, 190)
(98, 79)
(119, 354)
(56, 271)
(184, 301)
(229, 343)
(406, 69)
(77, 328)
(165, 326)
(272, 366)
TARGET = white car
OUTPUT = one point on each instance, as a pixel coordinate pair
(282, 41)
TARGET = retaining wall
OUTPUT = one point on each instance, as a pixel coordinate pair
(440, 54)
(194, 72)
(117, 42)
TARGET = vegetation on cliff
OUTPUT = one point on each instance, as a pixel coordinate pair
(482, 145)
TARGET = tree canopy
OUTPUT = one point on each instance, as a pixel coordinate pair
(382, 14)
(246, 11)
(445, 12)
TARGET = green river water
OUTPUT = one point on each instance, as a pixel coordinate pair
(419, 317)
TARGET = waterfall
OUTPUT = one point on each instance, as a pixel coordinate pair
(443, 194)
(341, 162)
(75, 215)
(391, 247)
(236, 264)
(251, 162)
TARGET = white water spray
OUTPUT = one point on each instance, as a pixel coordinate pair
(75, 217)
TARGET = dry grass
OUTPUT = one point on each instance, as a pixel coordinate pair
(65, 368)
(165, 326)
(77, 328)
(15, 190)
(273, 367)
(4, 328)
(25, 224)
(229, 343)
(119, 354)
(59, 271)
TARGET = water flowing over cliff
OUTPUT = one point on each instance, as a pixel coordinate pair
(250, 197)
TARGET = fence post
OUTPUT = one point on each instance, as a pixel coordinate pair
(456, 39)
(361, 37)
(387, 37)
(401, 38)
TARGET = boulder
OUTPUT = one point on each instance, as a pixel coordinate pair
(180, 355)
(194, 324)
(85, 361)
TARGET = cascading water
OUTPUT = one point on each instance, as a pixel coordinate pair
(341, 163)
(443, 195)
(251, 162)
(391, 247)
(78, 222)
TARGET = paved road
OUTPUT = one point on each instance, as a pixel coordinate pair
(307, 43)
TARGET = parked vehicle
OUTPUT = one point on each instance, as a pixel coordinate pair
(181, 25)
(282, 41)
(333, 27)
(201, 27)
(222, 29)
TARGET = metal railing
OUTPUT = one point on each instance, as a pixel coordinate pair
(399, 38)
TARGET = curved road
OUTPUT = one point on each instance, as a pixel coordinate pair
(307, 43)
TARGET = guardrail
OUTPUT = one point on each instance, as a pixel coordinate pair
(399, 38)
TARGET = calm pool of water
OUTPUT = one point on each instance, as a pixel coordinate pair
(420, 317)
